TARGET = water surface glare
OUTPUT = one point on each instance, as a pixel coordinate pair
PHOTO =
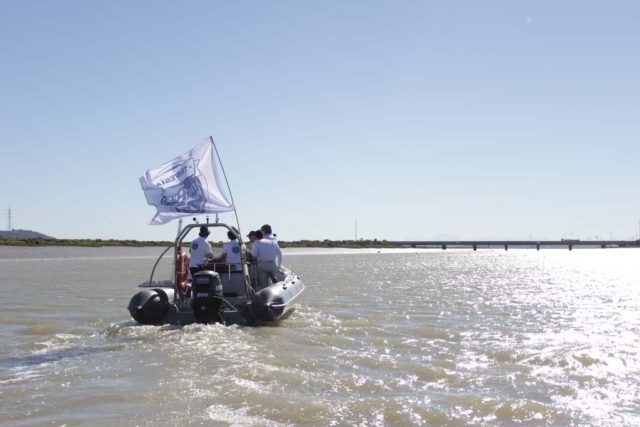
(380, 338)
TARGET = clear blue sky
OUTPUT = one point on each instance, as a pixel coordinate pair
(419, 119)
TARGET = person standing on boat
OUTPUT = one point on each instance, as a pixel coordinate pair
(251, 260)
(269, 256)
(267, 233)
(252, 238)
(200, 250)
(231, 251)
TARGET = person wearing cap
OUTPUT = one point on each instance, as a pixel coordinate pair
(269, 256)
(200, 250)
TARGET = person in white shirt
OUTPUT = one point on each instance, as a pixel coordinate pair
(267, 233)
(200, 250)
(269, 256)
(231, 251)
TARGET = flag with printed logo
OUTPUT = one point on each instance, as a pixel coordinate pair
(186, 185)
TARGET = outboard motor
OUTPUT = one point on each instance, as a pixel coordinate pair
(206, 289)
(149, 306)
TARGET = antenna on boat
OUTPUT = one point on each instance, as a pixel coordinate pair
(227, 181)
(179, 226)
(208, 218)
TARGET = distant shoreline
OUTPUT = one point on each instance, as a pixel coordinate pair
(344, 244)
(95, 243)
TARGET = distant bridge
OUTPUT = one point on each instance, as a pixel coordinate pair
(475, 244)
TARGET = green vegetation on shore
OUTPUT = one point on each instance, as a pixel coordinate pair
(96, 243)
(79, 242)
(375, 243)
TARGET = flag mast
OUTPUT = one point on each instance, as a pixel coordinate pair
(227, 182)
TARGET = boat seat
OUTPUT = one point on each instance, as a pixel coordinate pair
(232, 283)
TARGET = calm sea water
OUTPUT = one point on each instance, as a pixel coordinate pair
(390, 338)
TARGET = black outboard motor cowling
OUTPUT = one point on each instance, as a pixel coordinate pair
(206, 289)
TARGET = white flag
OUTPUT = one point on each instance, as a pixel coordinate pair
(186, 185)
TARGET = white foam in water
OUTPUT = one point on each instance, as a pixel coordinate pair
(237, 417)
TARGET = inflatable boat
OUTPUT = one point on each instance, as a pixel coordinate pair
(217, 293)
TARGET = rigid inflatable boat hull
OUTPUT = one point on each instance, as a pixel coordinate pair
(156, 305)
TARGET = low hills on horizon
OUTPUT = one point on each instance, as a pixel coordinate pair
(23, 234)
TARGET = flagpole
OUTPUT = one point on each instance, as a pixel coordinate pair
(227, 181)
